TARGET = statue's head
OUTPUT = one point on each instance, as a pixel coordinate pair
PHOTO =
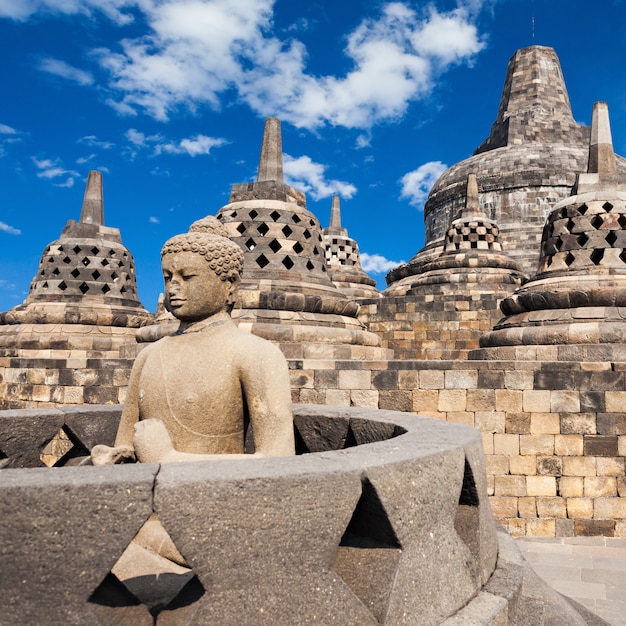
(201, 270)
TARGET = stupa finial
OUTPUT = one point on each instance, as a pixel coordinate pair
(271, 162)
(335, 213)
(93, 201)
(601, 154)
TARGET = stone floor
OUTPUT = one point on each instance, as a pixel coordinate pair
(591, 570)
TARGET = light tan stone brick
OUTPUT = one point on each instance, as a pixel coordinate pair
(364, 398)
(571, 486)
(483, 400)
(535, 401)
(461, 417)
(545, 423)
(518, 379)
(497, 465)
(354, 379)
(461, 379)
(579, 466)
(506, 444)
(579, 508)
(487, 443)
(515, 527)
(541, 485)
(41, 393)
(452, 400)
(551, 507)
(615, 401)
(504, 506)
(541, 527)
(609, 466)
(72, 395)
(568, 445)
(527, 507)
(611, 508)
(408, 379)
(523, 465)
(508, 400)
(621, 445)
(425, 400)
(510, 486)
(337, 397)
(431, 379)
(599, 486)
(536, 444)
(564, 401)
(490, 422)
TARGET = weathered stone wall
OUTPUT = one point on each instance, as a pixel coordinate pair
(554, 432)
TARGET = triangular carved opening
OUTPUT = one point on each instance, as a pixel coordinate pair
(369, 552)
(467, 518)
(63, 449)
(151, 575)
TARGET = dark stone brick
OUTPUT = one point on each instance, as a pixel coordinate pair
(592, 401)
(554, 379)
(100, 395)
(385, 380)
(550, 466)
(611, 424)
(599, 381)
(600, 445)
(594, 527)
(396, 400)
(517, 423)
(326, 379)
(490, 379)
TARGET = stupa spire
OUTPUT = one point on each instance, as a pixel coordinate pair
(271, 162)
(93, 200)
(601, 154)
(335, 213)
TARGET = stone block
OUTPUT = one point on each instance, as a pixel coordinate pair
(540, 528)
(621, 445)
(611, 423)
(517, 423)
(578, 423)
(408, 379)
(599, 486)
(579, 466)
(510, 486)
(564, 401)
(609, 508)
(571, 486)
(615, 401)
(527, 507)
(541, 485)
(518, 379)
(549, 466)
(551, 507)
(536, 444)
(506, 444)
(523, 465)
(610, 466)
(600, 445)
(568, 445)
(489, 421)
(508, 400)
(386, 379)
(483, 400)
(579, 508)
(364, 398)
(536, 401)
(594, 528)
(487, 443)
(396, 400)
(545, 423)
(431, 379)
(337, 397)
(452, 400)
(301, 379)
(461, 417)
(592, 401)
(621, 486)
(504, 506)
(425, 400)
(461, 379)
(326, 379)
(497, 465)
(354, 379)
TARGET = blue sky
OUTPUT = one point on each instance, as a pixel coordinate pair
(168, 97)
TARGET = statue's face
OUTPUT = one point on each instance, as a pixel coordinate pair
(193, 291)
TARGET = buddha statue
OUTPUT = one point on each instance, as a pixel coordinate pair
(192, 394)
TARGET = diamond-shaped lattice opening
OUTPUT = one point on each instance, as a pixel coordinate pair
(296, 219)
(105, 288)
(597, 221)
(558, 244)
(569, 259)
(125, 255)
(563, 212)
(622, 256)
(111, 252)
(76, 249)
(261, 261)
(62, 449)
(275, 215)
(611, 238)
(62, 285)
(570, 225)
(253, 214)
(75, 272)
(85, 261)
(297, 247)
(310, 265)
(311, 222)
(369, 552)
(307, 234)
(621, 220)
(263, 229)
(149, 580)
(123, 290)
(233, 214)
(597, 255)
(96, 274)
(51, 259)
(56, 271)
(120, 264)
(608, 207)
(84, 288)
(275, 245)
(287, 262)
(319, 238)
(104, 262)
(582, 209)
(582, 239)
(250, 244)
(287, 231)
(241, 229)
(467, 518)
(95, 251)
(67, 260)
(45, 285)
(114, 275)
(315, 250)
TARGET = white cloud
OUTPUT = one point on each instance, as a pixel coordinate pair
(309, 176)
(135, 137)
(23, 9)
(64, 70)
(12, 231)
(417, 184)
(7, 130)
(69, 182)
(377, 264)
(199, 145)
(51, 170)
(83, 160)
(153, 220)
(93, 142)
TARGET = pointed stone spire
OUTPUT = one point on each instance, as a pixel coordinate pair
(93, 202)
(601, 154)
(472, 206)
(335, 219)
(271, 162)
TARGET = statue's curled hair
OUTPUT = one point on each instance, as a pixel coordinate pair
(223, 255)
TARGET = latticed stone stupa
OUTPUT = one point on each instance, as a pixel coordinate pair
(82, 307)
(343, 260)
(286, 293)
(578, 295)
